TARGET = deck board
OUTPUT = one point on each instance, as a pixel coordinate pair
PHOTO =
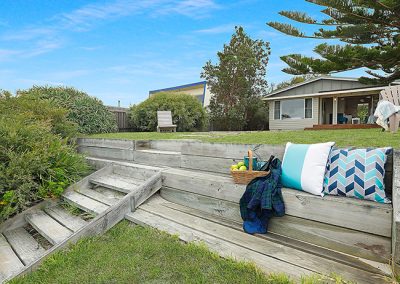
(9, 261)
(283, 253)
(24, 245)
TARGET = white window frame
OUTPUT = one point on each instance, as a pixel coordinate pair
(312, 108)
(280, 110)
(304, 109)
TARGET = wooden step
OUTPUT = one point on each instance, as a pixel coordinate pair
(300, 245)
(84, 203)
(9, 261)
(49, 228)
(102, 194)
(365, 245)
(62, 216)
(308, 261)
(158, 157)
(24, 245)
(116, 182)
(223, 248)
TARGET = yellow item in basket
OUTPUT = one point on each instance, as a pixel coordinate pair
(233, 167)
(240, 164)
(243, 168)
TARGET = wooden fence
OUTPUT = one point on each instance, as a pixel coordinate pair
(121, 115)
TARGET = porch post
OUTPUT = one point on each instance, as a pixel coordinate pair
(334, 110)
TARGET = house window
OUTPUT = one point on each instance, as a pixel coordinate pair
(292, 109)
(277, 110)
(308, 108)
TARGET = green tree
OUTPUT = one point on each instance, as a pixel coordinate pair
(370, 31)
(237, 82)
(293, 81)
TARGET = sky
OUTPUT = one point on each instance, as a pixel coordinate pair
(122, 49)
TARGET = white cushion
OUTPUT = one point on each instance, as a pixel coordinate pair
(304, 166)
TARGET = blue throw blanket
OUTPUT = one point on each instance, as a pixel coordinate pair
(262, 200)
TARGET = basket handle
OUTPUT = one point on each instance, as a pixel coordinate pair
(250, 154)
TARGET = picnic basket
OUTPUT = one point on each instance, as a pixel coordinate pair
(244, 177)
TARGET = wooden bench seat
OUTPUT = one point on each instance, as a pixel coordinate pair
(353, 226)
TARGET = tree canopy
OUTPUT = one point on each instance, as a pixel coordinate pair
(237, 83)
(370, 31)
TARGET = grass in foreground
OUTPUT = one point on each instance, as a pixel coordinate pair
(128, 254)
(343, 138)
(134, 254)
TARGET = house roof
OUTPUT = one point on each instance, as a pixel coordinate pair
(351, 92)
(310, 81)
(202, 83)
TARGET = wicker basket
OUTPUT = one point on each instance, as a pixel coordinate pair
(244, 177)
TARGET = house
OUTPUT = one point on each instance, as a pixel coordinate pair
(323, 102)
(199, 90)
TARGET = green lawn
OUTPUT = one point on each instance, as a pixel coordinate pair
(134, 254)
(359, 137)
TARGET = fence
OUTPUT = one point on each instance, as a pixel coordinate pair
(121, 115)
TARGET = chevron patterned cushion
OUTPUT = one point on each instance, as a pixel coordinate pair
(357, 173)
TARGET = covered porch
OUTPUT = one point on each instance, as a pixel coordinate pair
(348, 109)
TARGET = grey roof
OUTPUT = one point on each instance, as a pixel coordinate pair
(310, 81)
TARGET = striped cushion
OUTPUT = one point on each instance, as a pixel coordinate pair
(304, 165)
(357, 173)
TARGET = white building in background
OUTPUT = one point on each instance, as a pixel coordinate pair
(198, 90)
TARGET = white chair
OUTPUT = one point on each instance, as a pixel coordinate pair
(165, 122)
(392, 94)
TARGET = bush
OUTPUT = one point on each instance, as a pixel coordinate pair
(36, 159)
(187, 112)
(87, 112)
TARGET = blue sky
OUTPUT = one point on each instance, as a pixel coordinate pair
(121, 49)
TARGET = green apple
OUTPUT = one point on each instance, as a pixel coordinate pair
(243, 168)
(240, 164)
(233, 167)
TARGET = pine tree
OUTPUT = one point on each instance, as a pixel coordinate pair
(237, 83)
(371, 33)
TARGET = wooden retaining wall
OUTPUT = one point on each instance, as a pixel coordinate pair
(362, 228)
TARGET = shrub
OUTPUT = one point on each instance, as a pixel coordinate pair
(87, 112)
(187, 112)
(36, 159)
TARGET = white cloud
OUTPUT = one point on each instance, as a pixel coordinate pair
(191, 8)
(227, 28)
(47, 36)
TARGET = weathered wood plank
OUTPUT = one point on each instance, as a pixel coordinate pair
(49, 228)
(223, 248)
(231, 151)
(352, 242)
(24, 245)
(9, 261)
(282, 253)
(209, 164)
(158, 157)
(351, 213)
(107, 143)
(106, 196)
(104, 221)
(166, 145)
(83, 202)
(135, 172)
(396, 212)
(74, 223)
(115, 182)
(305, 245)
(110, 153)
